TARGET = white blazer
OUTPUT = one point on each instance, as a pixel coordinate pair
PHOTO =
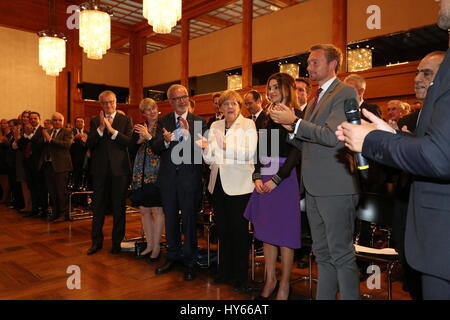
(236, 162)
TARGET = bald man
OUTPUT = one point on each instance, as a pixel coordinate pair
(55, 162)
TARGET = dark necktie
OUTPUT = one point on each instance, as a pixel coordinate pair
(254, 118)
(177, 126)
(316, 99)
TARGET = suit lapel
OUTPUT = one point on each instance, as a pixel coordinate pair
(323, 103)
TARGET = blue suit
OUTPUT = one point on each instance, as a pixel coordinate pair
(426, 156)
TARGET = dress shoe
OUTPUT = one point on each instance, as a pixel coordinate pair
(146, 255)
(261, 297)
(189, 274)
(93, 249)
(61, 219)
(52, 218)
(30, 214)
(165, 268)
(116, 249)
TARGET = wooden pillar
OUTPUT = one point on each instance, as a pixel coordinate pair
(136, 73)
(247, 42)
(69, 100)
(184, 77)
(339, 32)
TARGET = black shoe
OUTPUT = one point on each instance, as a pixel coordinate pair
(221, 280)
(93, 249)
(30, 214)
(141, 256)
(189, 274)
(116, 249)
(52, 218)
(165, 268)
(303, 263)
(275, 289)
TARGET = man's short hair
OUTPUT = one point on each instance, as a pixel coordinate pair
(398, 102)
(255, 94)
(331, 53)
(175, 87)
(106, 93)
(305, 81)
(35, 112)
(359, 80)
(216, 95)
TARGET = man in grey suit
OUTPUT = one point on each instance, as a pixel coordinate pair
(330, 186)
(425, 155)
(56, 164)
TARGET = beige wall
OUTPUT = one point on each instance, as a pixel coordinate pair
(396, 15)
(162, 66)
(24, 84)
(112, 69)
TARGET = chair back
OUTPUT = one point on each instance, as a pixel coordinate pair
(375, 208)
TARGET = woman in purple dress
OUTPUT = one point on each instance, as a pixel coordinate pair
(274, 205)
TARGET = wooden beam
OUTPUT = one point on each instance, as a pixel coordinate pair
(137, 51)
(282, 3)
(193, 9)
(247, 42)
(165, 39)
(119, 43)
(339, 29)
(215, 21)
(184, 77)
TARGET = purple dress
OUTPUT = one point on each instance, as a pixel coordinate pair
(276, 216)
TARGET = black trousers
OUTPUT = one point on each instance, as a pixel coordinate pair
(232, 230)
(56, 183)
(109, 192)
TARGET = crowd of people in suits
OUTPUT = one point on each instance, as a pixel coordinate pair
(262, 172)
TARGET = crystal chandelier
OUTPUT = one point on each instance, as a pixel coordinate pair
(234, 82)
(52, 52)
(95, 29)
(162, 15)
(359, 59)
(291, 69)
(52, 46)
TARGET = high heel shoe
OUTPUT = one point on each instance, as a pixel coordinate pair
(141, 256)
(275, 289)
(150, 259)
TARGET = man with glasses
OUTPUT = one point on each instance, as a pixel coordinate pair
(108, 140)
(180, 175)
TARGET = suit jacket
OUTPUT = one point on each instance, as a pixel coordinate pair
(326, 164)
(211, 120)
(410, 121)
(261, 121)
(375, 109)
(187, 165)
(426, 156)
(110, 156)
(36, 144)
(58, 149)
(236, 164)
(78, 149)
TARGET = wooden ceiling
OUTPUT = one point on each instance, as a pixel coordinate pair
(205, 16)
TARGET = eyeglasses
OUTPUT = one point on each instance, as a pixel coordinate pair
(427, 73)
(177, 99)
(108, 102)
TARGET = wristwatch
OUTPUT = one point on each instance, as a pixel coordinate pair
(293, 124)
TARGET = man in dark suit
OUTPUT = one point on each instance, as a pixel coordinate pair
(78, 151)
(426, 156)
(253, 102)
(303, 88)
(32, 143)
(330, 186)
(180, 175)
(108, 140)
(218, 115)
(359, 83)
(56, 164)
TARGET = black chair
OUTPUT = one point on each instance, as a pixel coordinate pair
(378, 210)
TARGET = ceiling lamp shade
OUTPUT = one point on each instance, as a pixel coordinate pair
(52, 53)
(95, 31)
(234, 82)
(162, 15)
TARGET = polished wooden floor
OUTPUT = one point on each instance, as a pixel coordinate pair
(35, 255)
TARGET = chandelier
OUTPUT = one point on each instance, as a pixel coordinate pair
(292, 69)
(162, 15)
(52, 52)
(95, 29)
(52, 46)
(359, 59)
(234, 82)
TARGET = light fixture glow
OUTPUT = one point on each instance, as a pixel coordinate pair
(291, 69)
(234, 82)
(52, 54)
(95, 33)
(162, 15)
(359, 59)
